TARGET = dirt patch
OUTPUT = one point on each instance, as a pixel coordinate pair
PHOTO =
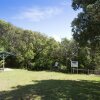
(6, 69)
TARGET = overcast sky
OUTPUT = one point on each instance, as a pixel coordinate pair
(51, 17)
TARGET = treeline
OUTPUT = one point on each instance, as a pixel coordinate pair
(36, 51)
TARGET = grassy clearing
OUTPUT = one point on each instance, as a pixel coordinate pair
(44, 85)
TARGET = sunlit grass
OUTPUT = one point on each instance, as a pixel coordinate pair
(18, 83)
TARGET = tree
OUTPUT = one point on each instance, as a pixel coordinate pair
(86, 27)
(76, 4)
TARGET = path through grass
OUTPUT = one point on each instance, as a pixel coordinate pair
(44, 85)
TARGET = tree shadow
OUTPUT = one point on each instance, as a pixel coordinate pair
(55, 90)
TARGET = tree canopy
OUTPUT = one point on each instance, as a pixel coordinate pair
(86, 27)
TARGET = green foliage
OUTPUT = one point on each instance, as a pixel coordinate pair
(86, 28)
(76, 4)
(33, 50)
(36, 51)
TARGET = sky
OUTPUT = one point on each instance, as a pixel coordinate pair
(50, 17)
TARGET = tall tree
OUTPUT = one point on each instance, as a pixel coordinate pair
(86, 27)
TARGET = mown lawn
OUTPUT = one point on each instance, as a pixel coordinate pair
(45, 85)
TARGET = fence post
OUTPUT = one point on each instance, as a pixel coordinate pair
(88, 71)
(73, 70)
(77, 70)
(3, 62)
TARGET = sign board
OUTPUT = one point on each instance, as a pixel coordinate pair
(56, 64)
(74, 63)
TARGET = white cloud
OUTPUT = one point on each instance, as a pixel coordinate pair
(66, 3)
(57, 38)
(38, 14)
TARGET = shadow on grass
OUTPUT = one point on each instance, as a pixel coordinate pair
(55, 90)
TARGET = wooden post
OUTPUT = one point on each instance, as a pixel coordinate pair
(73, 70)
(88, 71)
(3, 61)
(77, 70)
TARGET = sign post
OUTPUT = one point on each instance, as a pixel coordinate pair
(74, 64)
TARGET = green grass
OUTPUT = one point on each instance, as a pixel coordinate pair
(45, 85)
